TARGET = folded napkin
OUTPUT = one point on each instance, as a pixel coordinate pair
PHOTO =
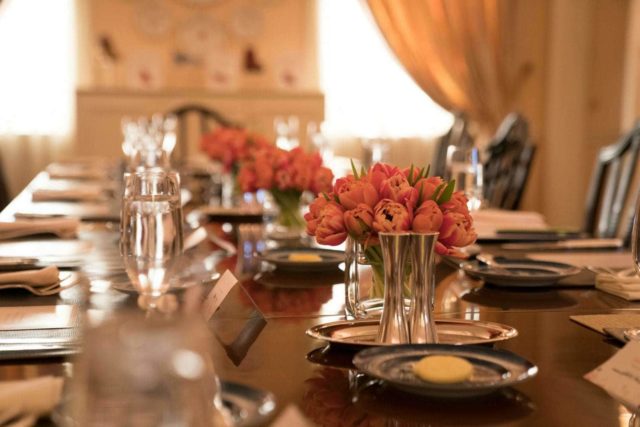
(37, 396)
(43, 277)
(76, 171)
(488, 221)
(71, 194)
(600, 322)
(625, 283)
(61, 227)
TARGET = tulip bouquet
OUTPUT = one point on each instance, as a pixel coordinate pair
(232, 146)
(388, 199)
(286, 175)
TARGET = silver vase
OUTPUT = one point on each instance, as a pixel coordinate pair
(394, 328)
(422, 326)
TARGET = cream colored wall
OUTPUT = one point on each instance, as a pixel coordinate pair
(574, 97)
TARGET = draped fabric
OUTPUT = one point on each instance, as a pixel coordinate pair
(37, 83)
(458, 51)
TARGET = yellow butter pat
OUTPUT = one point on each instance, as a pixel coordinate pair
(443, 369)
(303, 257)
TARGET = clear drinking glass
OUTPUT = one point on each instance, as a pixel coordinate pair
(464, 165)
(146, 372)
(151, 237)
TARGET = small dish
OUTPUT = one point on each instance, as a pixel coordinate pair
(246, 405)
(519, 272)
(492, 369)
(363, 333)
(284, 259)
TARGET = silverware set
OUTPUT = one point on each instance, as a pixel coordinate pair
(30, 281)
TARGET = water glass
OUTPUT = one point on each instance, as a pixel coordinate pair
(464, 165)
(151, 237)
(146, 372)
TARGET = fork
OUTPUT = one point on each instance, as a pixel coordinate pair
(39, 291)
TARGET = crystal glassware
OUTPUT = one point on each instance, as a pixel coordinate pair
(464, 165)
(151, 237)
(135, 371)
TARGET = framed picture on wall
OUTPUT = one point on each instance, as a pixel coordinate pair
(144, 70)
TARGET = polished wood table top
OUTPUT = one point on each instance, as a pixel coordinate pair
(260, 341)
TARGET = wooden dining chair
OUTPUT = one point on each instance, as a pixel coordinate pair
(508, 163)
(612, 195)
(457, 136)
(206, 118)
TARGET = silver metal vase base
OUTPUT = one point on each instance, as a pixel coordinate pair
(395, 328)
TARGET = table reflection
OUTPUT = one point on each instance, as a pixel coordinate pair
(343, 397)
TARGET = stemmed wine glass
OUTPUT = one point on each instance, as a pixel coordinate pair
(464, 165)
(151, 239)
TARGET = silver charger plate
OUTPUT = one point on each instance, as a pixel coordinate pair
(363, 333)
(520, 272)
(330, 259)
(492, 369)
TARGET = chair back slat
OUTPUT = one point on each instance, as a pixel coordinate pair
(610, 188)
(458, 136)
(508, 164)
(206, 117)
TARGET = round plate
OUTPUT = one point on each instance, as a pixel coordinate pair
(520, 272)
(247, 406)
(280, 258)
(492, 369)
(363, 333)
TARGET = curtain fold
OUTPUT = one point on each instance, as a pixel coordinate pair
(458, 51)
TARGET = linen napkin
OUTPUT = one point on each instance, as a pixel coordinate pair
(43, 277)
(80, 194)
(624, 283)
(600, 322)
(37, 396)
(488, 221)
(61, 227)
(76, 171)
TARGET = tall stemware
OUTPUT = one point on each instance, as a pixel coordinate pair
(151, 237)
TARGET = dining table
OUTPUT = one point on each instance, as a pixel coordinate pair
(259, 332)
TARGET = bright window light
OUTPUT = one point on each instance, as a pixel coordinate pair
(37, 67)
(367, 92)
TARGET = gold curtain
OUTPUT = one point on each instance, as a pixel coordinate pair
(458, 51)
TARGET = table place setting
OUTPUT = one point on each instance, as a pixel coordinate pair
(400, 250)
(377, 234)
